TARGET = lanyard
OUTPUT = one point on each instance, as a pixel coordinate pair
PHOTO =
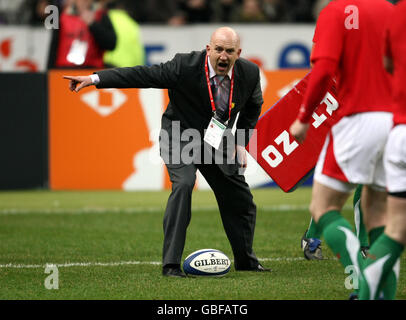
(213, 106)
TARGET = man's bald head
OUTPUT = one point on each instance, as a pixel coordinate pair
(223, 50)
(227, 34)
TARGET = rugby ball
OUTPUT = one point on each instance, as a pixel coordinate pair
(207, 262)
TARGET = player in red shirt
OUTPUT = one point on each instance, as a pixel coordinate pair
(348, 46)
(385, 252)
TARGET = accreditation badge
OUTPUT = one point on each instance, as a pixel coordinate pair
(214, 133)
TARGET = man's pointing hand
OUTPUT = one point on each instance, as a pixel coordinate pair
(77, 83)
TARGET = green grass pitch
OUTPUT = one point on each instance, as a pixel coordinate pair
(107, 245)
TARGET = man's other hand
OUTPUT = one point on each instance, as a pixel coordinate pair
(299, 130)
(241, 159)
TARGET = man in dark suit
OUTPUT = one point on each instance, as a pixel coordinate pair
(207, 90)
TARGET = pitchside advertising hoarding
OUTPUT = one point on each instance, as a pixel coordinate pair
(272, 46)
(108, 139)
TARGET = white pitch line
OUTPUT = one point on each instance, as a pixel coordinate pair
(12, 211)
(77, 264)
(119, 263)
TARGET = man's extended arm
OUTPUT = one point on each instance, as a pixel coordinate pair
(162, 76)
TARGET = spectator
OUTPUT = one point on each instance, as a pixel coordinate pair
(250, 11)
(37, 10)
(11, 12)
(318, 6)
(273, 10)
(85, 32)
(297, 11)
(157, 12)
(224, 10)
(129, 50)
(196, 11)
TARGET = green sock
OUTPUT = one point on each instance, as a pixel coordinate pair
(358, 220)
(313, 231)
(382, 258)
(338, 235)
(390, 284)
(375, 233)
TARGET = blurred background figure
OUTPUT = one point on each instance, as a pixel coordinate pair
(85, 33)
(10, 11)
(196, 11)
(300, 11)
(158, 12)
(250, 11)
(17, 12)
(318, 6)
(292, 11)
(224, 9)
(129, 50)
(180, 12)
(35, 10)
(273, 10)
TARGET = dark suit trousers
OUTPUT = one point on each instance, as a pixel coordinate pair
(236, 206)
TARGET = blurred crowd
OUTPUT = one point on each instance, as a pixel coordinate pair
(180, 12)
(106, 33)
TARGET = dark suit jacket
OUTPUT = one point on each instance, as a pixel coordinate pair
(184, 77)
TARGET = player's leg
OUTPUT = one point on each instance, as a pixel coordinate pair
(382, 263)
(312, 231)
(374, 201)
(383, 258)
(376, 204)
(326, 208)
(360, 228)
(311, 243)
(330, 194)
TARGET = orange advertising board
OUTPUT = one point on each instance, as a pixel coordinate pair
(107, 138)
(93, 134)
(278, 83)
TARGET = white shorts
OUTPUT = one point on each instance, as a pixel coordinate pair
(395, 159)
(353, 152)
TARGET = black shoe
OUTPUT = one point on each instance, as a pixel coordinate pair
(173, 272)
(258, 268)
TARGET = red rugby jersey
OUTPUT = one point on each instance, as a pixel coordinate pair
(396, 49)
(351, 32)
